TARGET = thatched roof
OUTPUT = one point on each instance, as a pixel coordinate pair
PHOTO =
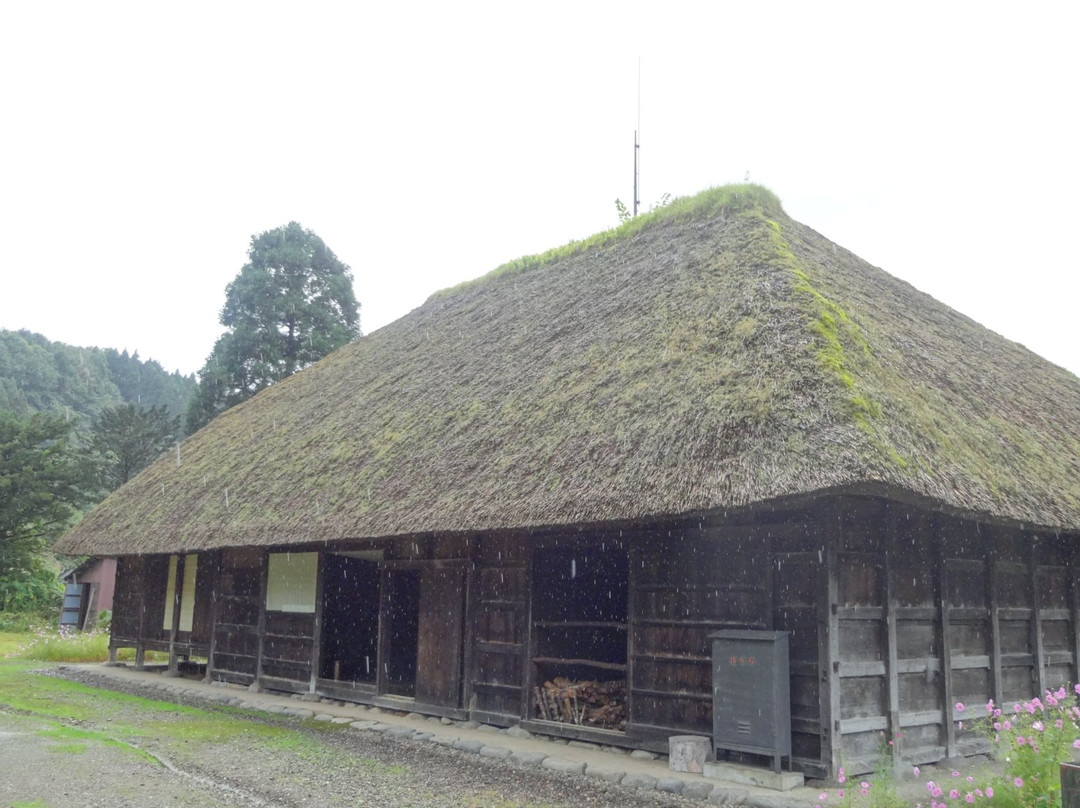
(711, 355)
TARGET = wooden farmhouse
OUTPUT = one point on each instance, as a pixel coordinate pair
(531, 501)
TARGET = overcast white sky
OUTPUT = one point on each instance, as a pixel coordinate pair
(143, 144)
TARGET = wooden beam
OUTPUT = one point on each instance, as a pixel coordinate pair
(996, 684)
(528, 677)
(260, 631)
(140, 642)
(631, 616)
(469, 632)
(829, 639)
(382, 656)
(1037, 649)
(316, 638)
(214, 562)
(178, 599)
(1074, 609)
(892, 680)
(946, 645)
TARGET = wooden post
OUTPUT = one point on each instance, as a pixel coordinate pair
(529, 634)
(1074, 611)
(140, 645)
(468, 694)
(1037, 650)
(892, 664)
(631, 616)
(316, 640)
(214, 563)
(174, 629)
(383, 654)
(260, 641)
(829, 639)
(946, 645)
(994, 603)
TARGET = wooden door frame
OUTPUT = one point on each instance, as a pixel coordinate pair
(386, 569)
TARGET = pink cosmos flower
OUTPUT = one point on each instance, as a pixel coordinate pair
(959, 706)
(1059, 724)
(954, 794)
(969, 797)
(1038, 726)
(1021, 740)
(1018, 782)
(956, 774)
(916, 771)
(990, 706)
(823, 796)
(1006, 725)
(1076, 744)
(990, 792)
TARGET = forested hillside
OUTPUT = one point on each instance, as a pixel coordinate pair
(37, 375)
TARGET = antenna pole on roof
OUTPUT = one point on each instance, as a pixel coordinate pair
(637, 145)
(636, 148)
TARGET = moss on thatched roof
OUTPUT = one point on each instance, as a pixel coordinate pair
(711, 355)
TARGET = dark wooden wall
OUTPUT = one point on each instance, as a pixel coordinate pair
(499, 619)
(128, 601)
(933, 611)
(894, 613)
(686, 584)
(238, 604)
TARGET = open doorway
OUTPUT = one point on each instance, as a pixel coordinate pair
(580, 610)
(403, 631)
(350, 637)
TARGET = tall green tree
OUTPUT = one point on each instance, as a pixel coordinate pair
(43, 483)
(125, 439)
(291, 305)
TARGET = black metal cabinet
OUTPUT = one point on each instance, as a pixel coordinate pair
(751, 693)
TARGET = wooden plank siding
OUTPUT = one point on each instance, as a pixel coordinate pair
(935, 611)
(236, 631)
(499, 629)
(894, 614)
(685, 586)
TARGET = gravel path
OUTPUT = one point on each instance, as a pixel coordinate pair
(105, 762)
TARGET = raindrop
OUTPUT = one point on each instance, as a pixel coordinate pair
(573, 568)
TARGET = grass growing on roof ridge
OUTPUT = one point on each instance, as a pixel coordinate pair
(712, 202)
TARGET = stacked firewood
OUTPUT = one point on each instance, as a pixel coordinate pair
(588, 703)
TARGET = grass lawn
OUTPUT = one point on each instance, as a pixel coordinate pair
(10, 642)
